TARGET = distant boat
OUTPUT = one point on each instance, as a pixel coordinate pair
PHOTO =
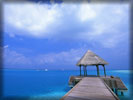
(46, 69)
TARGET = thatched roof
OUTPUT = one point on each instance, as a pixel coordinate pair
(91, 58)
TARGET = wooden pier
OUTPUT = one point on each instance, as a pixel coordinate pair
(94, 87)
(90, 88)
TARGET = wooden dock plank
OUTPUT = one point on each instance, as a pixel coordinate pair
(90, 88)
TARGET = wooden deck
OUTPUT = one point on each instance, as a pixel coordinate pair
(115, 83)
(90, 88)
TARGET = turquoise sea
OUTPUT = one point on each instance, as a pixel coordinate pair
(49, 85)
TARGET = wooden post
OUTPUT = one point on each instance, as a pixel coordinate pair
(104, 71)
(80, 70)
(122, 93)
(97, 70)
(86, 70)
(116, 92)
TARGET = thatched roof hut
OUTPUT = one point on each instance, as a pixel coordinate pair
(90, 59)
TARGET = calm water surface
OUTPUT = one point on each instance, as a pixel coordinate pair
(49, 85)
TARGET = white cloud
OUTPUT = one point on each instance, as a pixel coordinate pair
(6, 46)
(32, 18)
(16, 59)
(11, 35)
(12, 58)
(64, 57)
(86, 12)
(85, 22)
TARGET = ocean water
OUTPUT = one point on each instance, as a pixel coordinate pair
(49, 85)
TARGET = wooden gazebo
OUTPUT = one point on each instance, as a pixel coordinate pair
(91, 59)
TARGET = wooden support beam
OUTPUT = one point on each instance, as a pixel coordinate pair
(97, 70)
(80, 70)
(104, 71)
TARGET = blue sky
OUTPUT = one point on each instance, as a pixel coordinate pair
(55, 36)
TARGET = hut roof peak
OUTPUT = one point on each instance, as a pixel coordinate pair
(91, 58)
